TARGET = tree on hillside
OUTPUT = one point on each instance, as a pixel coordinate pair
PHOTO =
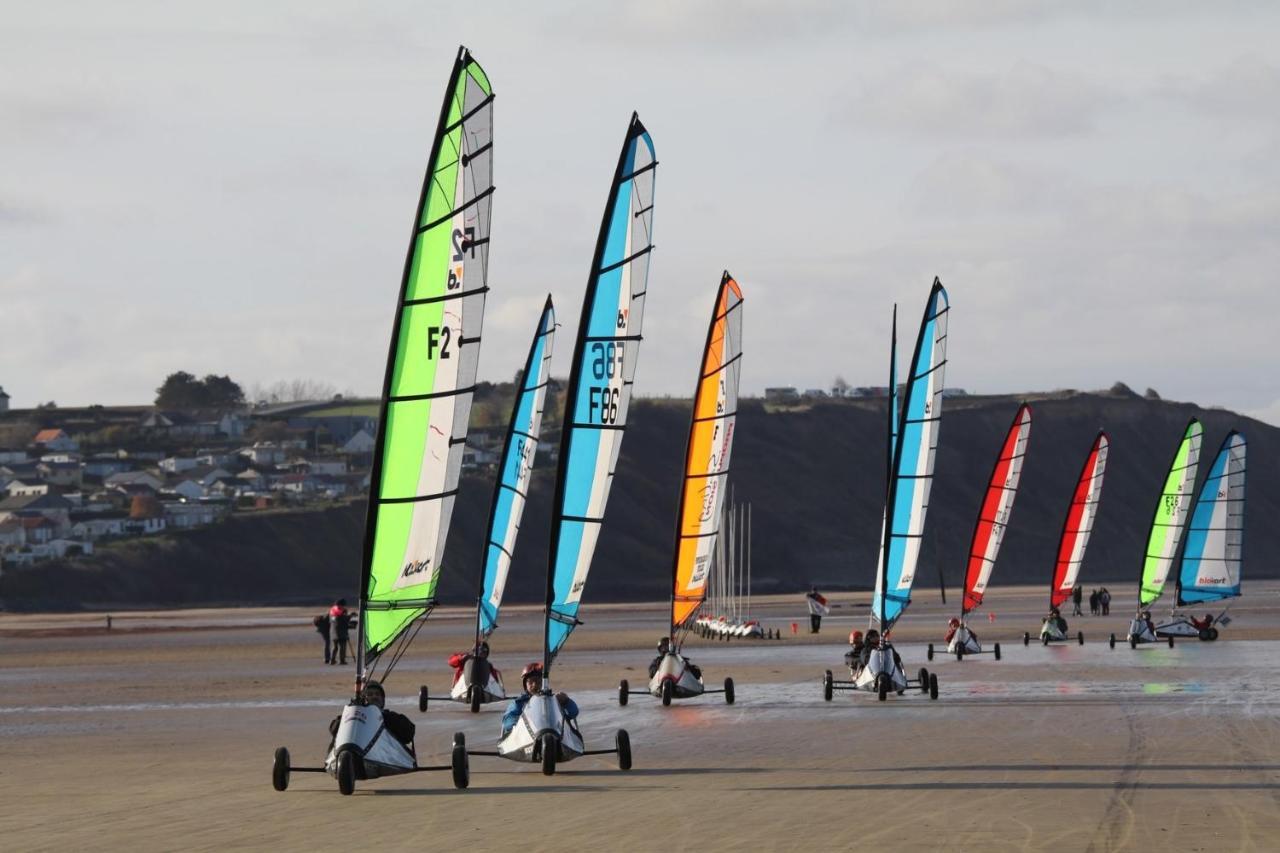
(181, 390)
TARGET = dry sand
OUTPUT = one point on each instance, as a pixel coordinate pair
(159, 735)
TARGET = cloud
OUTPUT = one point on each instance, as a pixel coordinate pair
(1248, 88)
(1023, 101)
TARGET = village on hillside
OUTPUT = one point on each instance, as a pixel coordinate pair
(75, 479)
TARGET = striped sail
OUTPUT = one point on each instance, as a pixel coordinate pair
(1171, 515)
(913, 458)
(511, 488)
(600, 382)
(431, 369)
(993, 517)
(1079, 521)
(706, 467)
(1214, 552)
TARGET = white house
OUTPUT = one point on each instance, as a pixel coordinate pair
(134, 478)
(61, 473)
(178, 464)
(264, 453)
(22, 488)
(328, 466)
(91, 529)
(190, 515)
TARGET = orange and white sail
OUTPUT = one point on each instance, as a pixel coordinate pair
(706, 466)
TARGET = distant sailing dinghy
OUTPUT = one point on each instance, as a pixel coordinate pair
(1076, 528)
(1170, 521)
(988, 533)
(479, 682)
(595, 419)
(422, 428)
(706, 471)
(912, 445)
(1214, 550)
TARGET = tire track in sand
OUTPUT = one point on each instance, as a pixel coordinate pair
(1117, 824)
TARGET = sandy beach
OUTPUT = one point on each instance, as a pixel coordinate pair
(158, 735)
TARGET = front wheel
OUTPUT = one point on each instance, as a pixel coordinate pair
(548, 742)
(280, 770)
(882, 687)
(997, 651)
(460, 739)
(1112, 641)
(623, 741)
(828, 686)
(1213, 634)
(460, 766)
(1171, 641)
(477, 693)
(346, 773)
(422, 699)
(668, 690)
(1080, 637)
(929, 653)
(923, 678)
(933, 686)
(1133, 641)
(1044, 639)
(728, 691)
(960, 651)
(623, 690)
(1026, 639)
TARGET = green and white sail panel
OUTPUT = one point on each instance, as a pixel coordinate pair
(1212, 560)
(516, 469)
(431, 370)
(1171, 515)
(600, 381)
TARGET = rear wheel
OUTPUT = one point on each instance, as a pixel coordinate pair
(828, 686)
(422, 699)
(623, 741)
(1044, 639)
(280, 770)
(1213, 634)
(460, 766)
(623, 689)
(933, 686)
(1204, 634)
(929, 654)
(1112, 641)
(477, 693)
(997, 651)
(1080, 637)
(960, 651)
(728, 691)
(1026, 639)
(1171, 641)
(1133, 641)
(548, 742)
(668, 690)
(923, 678)
(346, 773)
(459, 739)
(882, 687)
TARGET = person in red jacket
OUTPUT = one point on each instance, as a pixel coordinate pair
(459, 660)
(952, 627)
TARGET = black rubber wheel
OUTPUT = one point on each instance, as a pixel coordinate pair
(623, 689)
(997, 651)
(668, 690)
(1204, 634)
(1171, 641)
(882, 687)
(728, 691)
(549, 748)
(422, 699)
(923, 678)
(346, 773)
(1133, 641)
(1026, 639)
(1213, 634)
(623, 741)
(477, 693)
(1044, 639)
(280, 770)
(460, 766)
(933, 686)
(459, 739)
(1080, 637)
(960, 651)
(828, 688)
(929, 654)
(1112, 641)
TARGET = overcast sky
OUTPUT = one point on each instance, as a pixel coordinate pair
(228, 188)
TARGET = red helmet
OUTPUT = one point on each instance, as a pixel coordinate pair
(534, 668)
(855, 636)
(954, 623)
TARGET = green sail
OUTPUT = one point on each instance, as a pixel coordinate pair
(1171, 515)
(431, 369)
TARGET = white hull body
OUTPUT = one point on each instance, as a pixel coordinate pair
(723, 627)
(361, 731)
(880, 661)
(1052, 633)
(490, 686)
(541, 714)
(964, 639)
(675, 668)
(1140, 633)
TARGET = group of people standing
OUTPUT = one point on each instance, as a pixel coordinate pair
(335, 627)
(1099, 601)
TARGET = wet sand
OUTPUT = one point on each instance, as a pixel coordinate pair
(159, 735)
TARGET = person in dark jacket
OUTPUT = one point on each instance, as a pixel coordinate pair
(1077, 595)
(398, 725)
(322, 628)
(340, 620)
(1093, 603)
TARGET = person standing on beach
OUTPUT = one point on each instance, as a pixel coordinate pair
(1077, 595)
(1104, 599)
(1093, 603)
(322, 628)
(817, 609)
(340, 621)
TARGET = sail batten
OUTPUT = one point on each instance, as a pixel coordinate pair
(707, 455)
(600, 382)
(997, 505)
(1214, 552)
(515, 470)
(1078, 524)
(1172, 510)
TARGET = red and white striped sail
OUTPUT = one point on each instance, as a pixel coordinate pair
(1079, 523)
(993, 518)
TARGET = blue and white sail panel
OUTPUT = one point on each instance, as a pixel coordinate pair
(601, 379)
(1211, 560)
(512, 488)
(912, 473)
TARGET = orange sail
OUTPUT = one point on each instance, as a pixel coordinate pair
(706, 466)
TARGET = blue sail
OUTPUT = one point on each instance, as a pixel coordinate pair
(911, 475)
(600, 382)
(1214, 550)
(512, 487)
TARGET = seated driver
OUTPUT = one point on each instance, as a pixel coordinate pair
(664, 648)
(398, 725)
(459, 661)
(531, 683)
(1202, 624)
(856, 644)
(1055, 620)
(1145, 618)
(952, 627)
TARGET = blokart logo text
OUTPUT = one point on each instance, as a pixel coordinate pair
(415, 567)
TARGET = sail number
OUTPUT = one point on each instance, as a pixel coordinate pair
(438, 337)
(605, 400)
(606, 365)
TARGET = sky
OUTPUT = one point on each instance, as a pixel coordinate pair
(228, 188)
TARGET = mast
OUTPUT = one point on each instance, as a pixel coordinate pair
(889, 479)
